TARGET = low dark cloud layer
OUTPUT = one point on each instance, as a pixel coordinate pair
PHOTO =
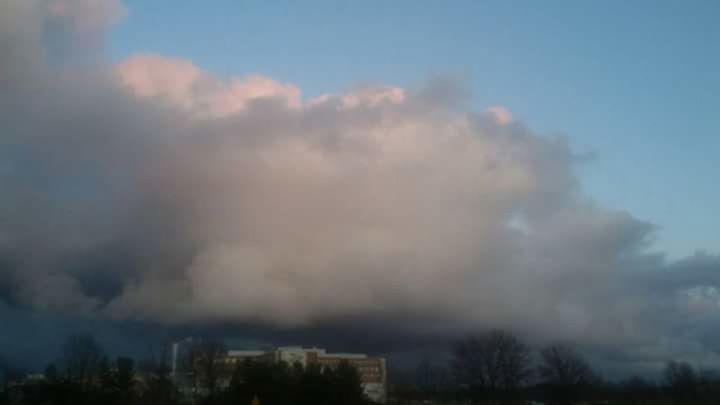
(153, 192)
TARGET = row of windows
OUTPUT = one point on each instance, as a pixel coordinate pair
(355, 362)
(369, 369)
(363, 366)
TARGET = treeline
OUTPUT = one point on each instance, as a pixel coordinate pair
(84, 374)
(498, 368)
(280, 384)
(493, 368)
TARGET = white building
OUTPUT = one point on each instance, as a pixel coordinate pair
(372, 370)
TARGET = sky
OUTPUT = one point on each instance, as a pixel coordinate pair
(307, 173)
(633, 85)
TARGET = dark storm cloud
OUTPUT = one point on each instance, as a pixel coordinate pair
(152, 191)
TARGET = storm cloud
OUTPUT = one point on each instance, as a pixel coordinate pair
(153, 191)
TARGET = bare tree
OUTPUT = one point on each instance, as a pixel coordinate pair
(159, 359)
(207, 356)
(561, 365)
(82, 356)
(565, 374)
(494, 361)
(160, 389)
(431, 378)
(681, 380)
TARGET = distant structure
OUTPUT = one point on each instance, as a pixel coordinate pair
(372, 370)
(179, 350)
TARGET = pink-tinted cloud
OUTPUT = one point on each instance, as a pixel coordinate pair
(184, 84)
(501, 114)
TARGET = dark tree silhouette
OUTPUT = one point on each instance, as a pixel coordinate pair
(681, 381)
(160, 389)
(562, 365)
(637, 390)
(82, 356)
(346, 384)
(312, 384)
(431, 379)
(491, 364)
(207, 365)
(565, 373)
(51, 373)
(125, 374)
(124, 380)
(281, 384)
(157, 386)
(116, 381)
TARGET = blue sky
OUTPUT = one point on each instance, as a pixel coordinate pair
(637, 84)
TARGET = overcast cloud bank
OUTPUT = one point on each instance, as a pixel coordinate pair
(154, 191)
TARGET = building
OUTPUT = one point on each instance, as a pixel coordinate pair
(372, 370)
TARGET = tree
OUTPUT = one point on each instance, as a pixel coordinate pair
(492, 362)
(709, 383)
(312, 385)
(106, 379)
(430, 379)
(271, 383)
(116, 381)
(562, 365)
(277, 383)
(565, 373)
(207, 364)
(681, 380)
(159, 388)
(346, 384)
(51, 373)
(82, 356)
(125, 373)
